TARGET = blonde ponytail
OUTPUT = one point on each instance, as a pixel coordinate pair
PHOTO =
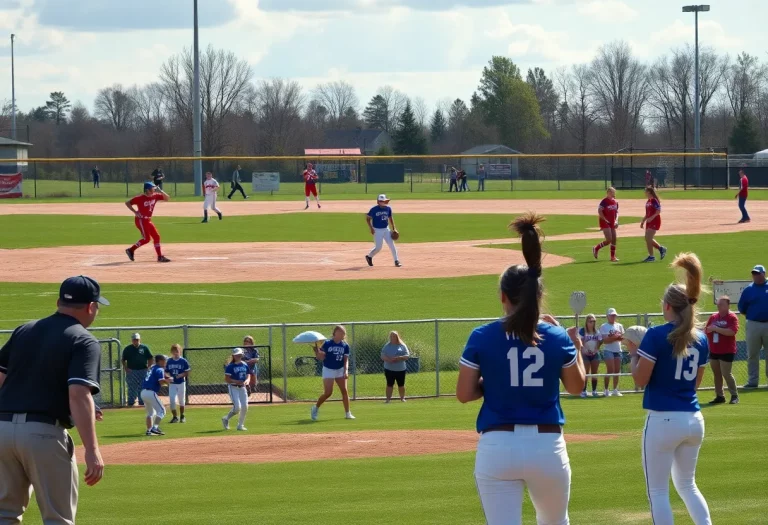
(682, 299)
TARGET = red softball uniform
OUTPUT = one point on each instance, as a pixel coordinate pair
(724, 344)
(651, 207)
(310, 180)
(146, 207)
(610, 209)
(744, 187)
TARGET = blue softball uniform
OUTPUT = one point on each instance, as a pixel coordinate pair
(152, 379)
(175, 367)
(334, 354)
(237, 371)
(521, 384)
(380, 216)
(672, 386)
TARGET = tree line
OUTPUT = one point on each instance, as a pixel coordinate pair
(613, 102)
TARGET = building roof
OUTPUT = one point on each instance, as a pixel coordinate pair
(322, 152)
(350, 138)
(10, 142)
(490, 149)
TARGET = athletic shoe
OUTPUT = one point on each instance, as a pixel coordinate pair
(594, 393)
(662, 252)
(313, 412)
(318, 205)
(204, 220)
(369, 260)
(129, 253)
(650, 258)
(349, 416)
(149, 433)
(718, 400)
(584, 394)
(749, 386)
(607, 393)
(594, 252)
(402, 400)
(616, 393)
(225, 422)
(747, 220)
(163, 258)
(306, 207)
(386, 401)
(183, 419)
(246, 197)
(229, 197)
(157, 432)
(220, 216)
(734, 400)
(174, 420)
(241, 429)
(398, 264)
(614, 259)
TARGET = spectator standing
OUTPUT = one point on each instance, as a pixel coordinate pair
(612, 333)
(158, 176)
(235, 184)
(481, 178)
(754, 306)
(648, 178)
(96, 174)
(49, 373)
(722, 328)
(136, 359)
(454, 176)
(251, 357)
(395, 354)
(742, 196)
(463, 180)
(590, 340)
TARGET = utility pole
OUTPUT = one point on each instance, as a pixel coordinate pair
(196, 118)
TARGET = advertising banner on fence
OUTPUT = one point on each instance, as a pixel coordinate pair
(263, 181)
(499, 170)
(10, 186)
(732, 289)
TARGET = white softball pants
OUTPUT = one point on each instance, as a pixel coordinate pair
(178, 394)
(152, 405)
(210, 203)
(507, 462)
(239, 396)
(381, 235)
(671, 443)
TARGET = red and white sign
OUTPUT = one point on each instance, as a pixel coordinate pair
(10, 186)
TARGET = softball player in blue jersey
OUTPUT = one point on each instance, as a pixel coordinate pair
(178, 368)
(335, 357)
(670, 364)
(154, 378)
(236, 375)
(516, 365)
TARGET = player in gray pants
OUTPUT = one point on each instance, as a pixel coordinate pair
(753, 304)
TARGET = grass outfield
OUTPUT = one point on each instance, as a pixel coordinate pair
(33, 231)
(421, 489)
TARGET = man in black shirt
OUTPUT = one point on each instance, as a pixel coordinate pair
(49, 372)
(158, 176)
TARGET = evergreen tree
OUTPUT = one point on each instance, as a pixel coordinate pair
(58, 106)
(745, 138)
(438, 126)
(409, 138)
(376, 114)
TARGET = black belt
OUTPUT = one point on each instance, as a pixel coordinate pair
(31, 418)
(543, 429)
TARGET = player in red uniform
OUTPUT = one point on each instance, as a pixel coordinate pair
(608, 211)
(310, 184)
(742, 196)
(652, 224)
(145, 206)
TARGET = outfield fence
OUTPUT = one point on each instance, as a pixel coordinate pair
(629, 169)
(290, 372)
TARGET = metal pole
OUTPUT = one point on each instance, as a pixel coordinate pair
(13, 92)
(697, 106)
(285, 366)
(197, 145)
(354, 363)
(437, 358)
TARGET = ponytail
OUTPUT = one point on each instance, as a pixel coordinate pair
(653, 193)
(521, 283)
(682, 299)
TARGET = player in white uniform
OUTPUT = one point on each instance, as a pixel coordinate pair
(210, 190)
(670, 364)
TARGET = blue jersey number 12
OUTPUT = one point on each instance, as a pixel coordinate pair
(531, 352)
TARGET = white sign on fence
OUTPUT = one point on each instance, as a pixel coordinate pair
(732, 289)
(499, 170)
(266, 181)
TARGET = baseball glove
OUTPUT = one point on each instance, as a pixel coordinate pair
(395, 235)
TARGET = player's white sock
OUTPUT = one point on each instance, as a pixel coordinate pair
(307, 201)
(241, 421)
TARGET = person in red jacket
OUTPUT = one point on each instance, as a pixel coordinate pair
(722, 328)
(742, 196)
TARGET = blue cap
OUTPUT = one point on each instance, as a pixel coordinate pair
(758, 269)
(81, 290)
(149, 186)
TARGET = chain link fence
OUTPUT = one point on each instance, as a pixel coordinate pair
(294, 374)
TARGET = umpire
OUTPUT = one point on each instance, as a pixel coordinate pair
(235, 184)
(136, 359)
(754, 306)
(49, 372)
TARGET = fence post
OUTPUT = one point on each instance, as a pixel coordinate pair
(285, 365)
(79, 180)
(437, 358)
(185, 330)
(646, 321)
(35, 179)
(638, 319)
(126, 178)
(354, 362)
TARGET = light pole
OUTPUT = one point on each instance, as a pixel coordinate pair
(13, 93)
(196, 117)
(696, 9)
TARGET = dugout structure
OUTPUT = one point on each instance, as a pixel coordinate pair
(206, 385)
(112, 381)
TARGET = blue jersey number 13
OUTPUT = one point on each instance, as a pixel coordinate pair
(692, 360)
(533, 353)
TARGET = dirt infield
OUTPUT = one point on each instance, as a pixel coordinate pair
(278, 448)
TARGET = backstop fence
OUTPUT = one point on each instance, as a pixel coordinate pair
(97, 178)
(290, 372)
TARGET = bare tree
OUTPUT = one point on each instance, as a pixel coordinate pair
(337, 97)
(620, 87)
(420, 111)
(279, 106)
(114, 105)
(742, 84)
(149, 103)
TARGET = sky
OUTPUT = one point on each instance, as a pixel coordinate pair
(434, 49)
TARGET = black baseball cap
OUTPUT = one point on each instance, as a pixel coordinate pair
(81, 290)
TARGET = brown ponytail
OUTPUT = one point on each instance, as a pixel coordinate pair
(649, 189)
(521, 283)
(682, 299)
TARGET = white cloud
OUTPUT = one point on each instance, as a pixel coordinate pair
(609, 11)
(711, 34)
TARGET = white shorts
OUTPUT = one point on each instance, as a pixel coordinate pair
(177, 392)
(329, 373)
(152, 404)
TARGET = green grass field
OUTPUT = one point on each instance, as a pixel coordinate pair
(423, 489)
(414, 489)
